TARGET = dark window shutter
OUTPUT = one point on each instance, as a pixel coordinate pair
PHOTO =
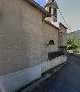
(49, 9)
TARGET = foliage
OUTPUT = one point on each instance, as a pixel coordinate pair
(71, 44)
(75, 36)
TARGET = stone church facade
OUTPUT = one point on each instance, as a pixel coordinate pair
(27, 39)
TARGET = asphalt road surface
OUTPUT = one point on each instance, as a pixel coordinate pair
(66, 80)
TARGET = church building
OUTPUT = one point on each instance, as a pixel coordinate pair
(30, 43)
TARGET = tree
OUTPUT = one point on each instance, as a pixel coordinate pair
(71, 44)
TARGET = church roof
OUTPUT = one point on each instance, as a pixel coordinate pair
(48, 22)
(35, 4)
(63, 25)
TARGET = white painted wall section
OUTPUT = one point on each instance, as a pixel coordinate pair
(14, 81)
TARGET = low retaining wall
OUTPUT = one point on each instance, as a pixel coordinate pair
(53, 63)
(16, 80)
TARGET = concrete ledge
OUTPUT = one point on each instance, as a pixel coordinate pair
(16, 80)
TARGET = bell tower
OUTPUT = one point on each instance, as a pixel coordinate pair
(51, 7)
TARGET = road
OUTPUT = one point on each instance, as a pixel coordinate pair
(66, 80)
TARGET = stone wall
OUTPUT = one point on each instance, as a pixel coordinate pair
(20, 36)
(49, 33)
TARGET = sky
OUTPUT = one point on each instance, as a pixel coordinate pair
(70, 10)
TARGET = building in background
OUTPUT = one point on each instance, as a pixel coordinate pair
(29, 42)
(63, 38)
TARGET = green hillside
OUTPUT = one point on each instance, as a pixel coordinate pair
(76, 37)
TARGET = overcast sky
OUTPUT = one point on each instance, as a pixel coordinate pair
(70, 10)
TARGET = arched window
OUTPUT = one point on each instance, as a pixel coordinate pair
(51, 42)
(52, 0)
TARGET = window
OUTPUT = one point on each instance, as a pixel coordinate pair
(52, 0)
(55, 11)
(51, 42)
(49, 9)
